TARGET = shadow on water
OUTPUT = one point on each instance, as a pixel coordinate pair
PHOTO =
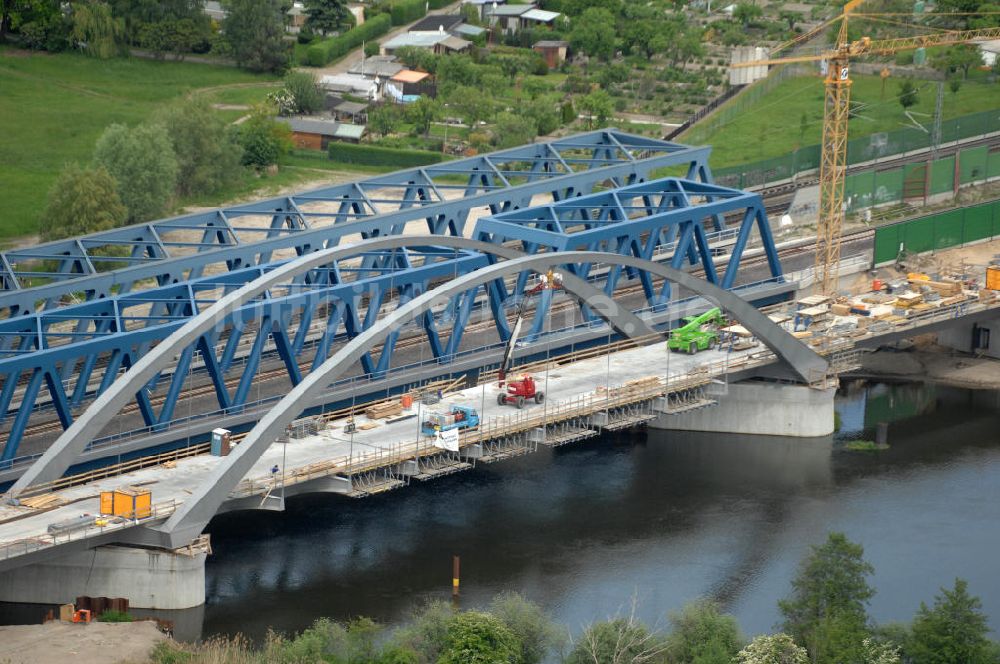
(663, 516)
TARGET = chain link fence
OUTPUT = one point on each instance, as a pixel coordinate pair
(859, 150)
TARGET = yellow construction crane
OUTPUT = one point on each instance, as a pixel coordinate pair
(833, 154)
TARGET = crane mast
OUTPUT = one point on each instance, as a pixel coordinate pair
(836, 112)
(832, 171)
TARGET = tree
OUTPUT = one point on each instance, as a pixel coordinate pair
(427, 633)
(142, 162)
(178, 36)
(471, 104)
(514, 129)
(593, 33)
(567, 112)
(772, 649)
(578, 7)
(954, 84)
(961, 57)
(422, 113)
(618, 641)
(97, 31)
(264, 139)
(207, 151)
(304, 89)
(254, 30)
(511, 65)
(81, 201)
(874, 652)
(954, 630)
(383, 119)
(479, 638)
(746, 13)
(827, 610)
(597, 105)
(545, 115)
(456, 70)
(163, 25)
(530, 625)
(790, 17)
(326, 16)
(41, 23)
(702, 634)
(418, 58)
(908, 94)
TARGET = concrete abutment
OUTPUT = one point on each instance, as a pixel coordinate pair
(149, 578)
(759, 408)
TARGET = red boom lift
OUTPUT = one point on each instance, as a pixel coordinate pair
(524, 388)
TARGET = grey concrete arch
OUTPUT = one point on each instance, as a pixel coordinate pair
(71, 443)
(195, 513)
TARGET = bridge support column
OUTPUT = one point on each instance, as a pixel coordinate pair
(981, 337)
(149, 578)
(759, 408)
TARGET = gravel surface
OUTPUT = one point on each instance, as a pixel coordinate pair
(95, 643)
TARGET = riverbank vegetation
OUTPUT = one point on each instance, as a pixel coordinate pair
(825, 621)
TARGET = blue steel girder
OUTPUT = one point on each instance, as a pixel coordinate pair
(39, 351)
(174, 250)
(670, 218)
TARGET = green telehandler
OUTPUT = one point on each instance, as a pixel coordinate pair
(698, 332)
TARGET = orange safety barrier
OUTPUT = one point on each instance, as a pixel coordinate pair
(81, 616)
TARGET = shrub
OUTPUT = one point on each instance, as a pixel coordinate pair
(208, 154)
(326, 51)
(264, 139)
(81, 201)
(115, 617)
(305, 91)
(144, 166)
(369, 155)
(407, 11)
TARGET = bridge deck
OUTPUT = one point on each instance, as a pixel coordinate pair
(572, 390)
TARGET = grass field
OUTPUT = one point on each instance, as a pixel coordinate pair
(772, 127)
(54, 107)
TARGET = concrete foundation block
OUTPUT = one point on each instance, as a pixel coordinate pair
(148, 578)
(760, 408)
(408, 468)
(599, 419)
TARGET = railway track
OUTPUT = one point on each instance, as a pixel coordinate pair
(777, 200)
(280, 373)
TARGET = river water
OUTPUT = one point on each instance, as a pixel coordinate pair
(660, 518)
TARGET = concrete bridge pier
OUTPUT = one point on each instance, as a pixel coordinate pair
(759, 408)
(150, 578)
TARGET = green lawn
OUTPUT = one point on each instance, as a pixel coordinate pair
(243, 96)
(772, 126)
(54, 107)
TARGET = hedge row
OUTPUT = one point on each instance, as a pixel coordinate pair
(438, 4)
(407, 11)
(328, 50)
(370, 155)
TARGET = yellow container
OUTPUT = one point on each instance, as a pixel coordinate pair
(993, 277)
(108, 503)
(127, 503)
